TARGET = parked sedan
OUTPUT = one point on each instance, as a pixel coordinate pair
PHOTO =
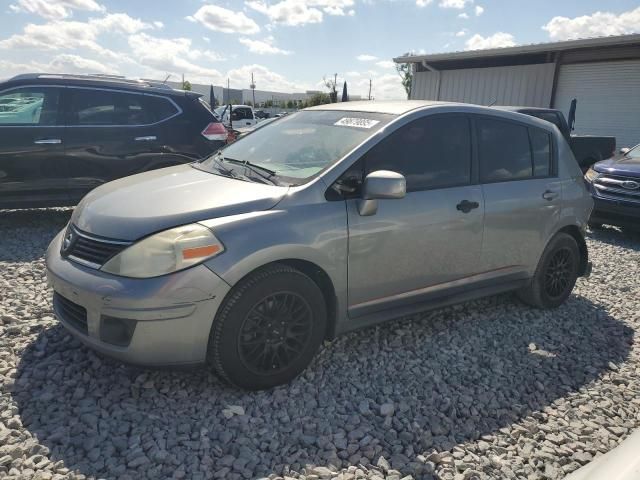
(63, 135)
(615, 186)
(327, 220)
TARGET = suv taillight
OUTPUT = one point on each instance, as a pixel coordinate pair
(215, 131)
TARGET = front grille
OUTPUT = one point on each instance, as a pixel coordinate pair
(90, 249)
(71, 313)
(617, 187)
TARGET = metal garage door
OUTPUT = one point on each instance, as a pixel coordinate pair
(608, 96)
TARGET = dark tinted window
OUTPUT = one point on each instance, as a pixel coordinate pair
(102, 107)
(29, 106)
(432, 152)
(541, 148)
(504, 150)
(161, 108)
(241, 113)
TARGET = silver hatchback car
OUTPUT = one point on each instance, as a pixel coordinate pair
(327, 220)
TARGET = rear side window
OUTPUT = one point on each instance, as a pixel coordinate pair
(504, 151)
(242, 113)
(541, 149)
(431, 152)
(103, 107)
(29, 106)
(161, 108)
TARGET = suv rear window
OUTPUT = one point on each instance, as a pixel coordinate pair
(161, 108)
(104, 107)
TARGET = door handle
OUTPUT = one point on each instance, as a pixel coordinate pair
(465, 206)
(550, 195)
(48, 141)
(148, 138)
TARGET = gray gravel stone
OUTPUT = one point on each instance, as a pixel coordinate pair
(487, 389)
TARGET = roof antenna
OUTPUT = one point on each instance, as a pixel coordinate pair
(166, 78)
(493, 102)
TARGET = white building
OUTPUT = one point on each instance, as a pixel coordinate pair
(602, 73)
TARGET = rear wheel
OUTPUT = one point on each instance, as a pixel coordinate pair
(268, 328)
(556, 274)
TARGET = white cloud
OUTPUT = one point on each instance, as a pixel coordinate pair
(265, 79)
(595, 25)
(158, 24)
(224, 20)
(68, 63)
(263, 47)
(119, 22)
(479, 10)
(366, 58)
(461, 33)
(175, 56)
(386, 64)
(464, 15)
(457, 4)
(497, 40)
(301, 12)
(55, 9)
(423, 3)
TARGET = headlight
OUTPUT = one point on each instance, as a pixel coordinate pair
(166, 252)
(591, 175)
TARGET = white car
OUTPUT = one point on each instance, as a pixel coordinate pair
(241, 115)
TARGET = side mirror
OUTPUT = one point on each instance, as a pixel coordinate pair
(624, 151)
(380, 185)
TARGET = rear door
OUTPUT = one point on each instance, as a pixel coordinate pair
(32, 169)
(111, 134)
(242, 117)
(522, 194)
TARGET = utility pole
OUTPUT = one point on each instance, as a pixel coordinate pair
(182, 81)
(369, 89)
(335, 92)
(253, 90)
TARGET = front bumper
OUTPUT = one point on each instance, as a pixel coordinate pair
(615, 212)
(171, 315)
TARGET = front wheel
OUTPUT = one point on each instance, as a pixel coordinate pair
(556, 274)
(268, 328)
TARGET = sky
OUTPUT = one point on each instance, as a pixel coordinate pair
(289, 45)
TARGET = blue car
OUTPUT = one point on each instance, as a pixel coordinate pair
(615, 187)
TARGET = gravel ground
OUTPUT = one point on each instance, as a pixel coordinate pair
(489, 389)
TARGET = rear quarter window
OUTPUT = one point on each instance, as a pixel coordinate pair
(161, 108)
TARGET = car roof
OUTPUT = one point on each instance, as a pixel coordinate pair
(103, 81)
(397, 107)
(511, 108)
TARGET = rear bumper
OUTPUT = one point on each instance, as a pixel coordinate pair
(615, 212)
(165, 320)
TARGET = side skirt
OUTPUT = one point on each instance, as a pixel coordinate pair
(396, 312)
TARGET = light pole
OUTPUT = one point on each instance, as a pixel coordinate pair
(253, 90)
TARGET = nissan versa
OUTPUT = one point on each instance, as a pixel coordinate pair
(327, 220)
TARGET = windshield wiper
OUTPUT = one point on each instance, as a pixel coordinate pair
(258, 169)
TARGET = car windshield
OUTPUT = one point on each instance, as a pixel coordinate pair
(301, 145)
(634, 152)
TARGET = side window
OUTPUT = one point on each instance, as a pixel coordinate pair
(103, 107)
(160, 108)
(29, 106)
(541, 148)
(431, 152)
(504, 150)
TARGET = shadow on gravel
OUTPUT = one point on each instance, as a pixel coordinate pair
(26, 234)
(452, 376)
(615, 236)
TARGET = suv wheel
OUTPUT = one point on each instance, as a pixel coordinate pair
(268, 328)
(556, 274)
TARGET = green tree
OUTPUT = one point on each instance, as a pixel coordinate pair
(319, 99)
(290, 104)
(332, 86)
(186, 85)
(405, 70)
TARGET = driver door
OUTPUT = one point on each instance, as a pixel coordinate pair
(418, 247)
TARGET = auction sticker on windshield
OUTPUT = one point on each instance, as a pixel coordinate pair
(357, 122)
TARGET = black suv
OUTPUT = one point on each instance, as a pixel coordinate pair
(63, 135)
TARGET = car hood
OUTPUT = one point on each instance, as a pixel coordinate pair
(619, 166)
(136, 206)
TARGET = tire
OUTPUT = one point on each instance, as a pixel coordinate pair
(247, 354)
(555, 275)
